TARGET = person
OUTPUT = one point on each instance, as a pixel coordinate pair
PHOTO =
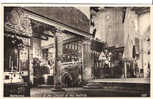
(102, 58)
(79, 79)
(109, 58)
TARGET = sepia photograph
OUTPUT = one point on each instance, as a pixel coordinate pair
(77, 51)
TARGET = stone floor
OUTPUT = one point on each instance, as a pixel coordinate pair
(123, 80)
(89, 91)
(48, 92)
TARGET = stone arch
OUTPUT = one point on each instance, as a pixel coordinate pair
(66, 79)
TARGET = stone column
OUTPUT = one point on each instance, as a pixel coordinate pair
(125, 69)
(146, 58)
(88, 62)
(58, 56)
(31, 63)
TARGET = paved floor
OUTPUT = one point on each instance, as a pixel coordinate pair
(123, 80)
(48, 92)
(80, 92)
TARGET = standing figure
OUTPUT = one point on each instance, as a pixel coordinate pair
(102, 59)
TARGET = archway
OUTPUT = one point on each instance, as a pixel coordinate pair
(67, 80)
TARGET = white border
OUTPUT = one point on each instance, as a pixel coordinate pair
(81, 1)
(59, 5)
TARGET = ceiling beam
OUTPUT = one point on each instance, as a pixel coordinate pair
(58, 25)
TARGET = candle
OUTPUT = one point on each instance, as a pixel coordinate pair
(9, 61)
(12, 67)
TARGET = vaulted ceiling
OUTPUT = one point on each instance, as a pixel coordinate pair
(67, 15)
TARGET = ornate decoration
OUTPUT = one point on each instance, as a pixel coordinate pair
(17, 21)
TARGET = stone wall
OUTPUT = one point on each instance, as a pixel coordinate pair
(109, 26)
